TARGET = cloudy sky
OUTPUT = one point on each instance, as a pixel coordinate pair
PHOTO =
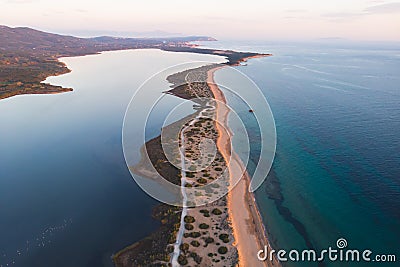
(373, 20)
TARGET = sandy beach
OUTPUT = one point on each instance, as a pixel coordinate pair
(248, 228)
(228, 230)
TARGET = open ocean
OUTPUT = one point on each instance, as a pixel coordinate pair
(67, 198)
(336, 172)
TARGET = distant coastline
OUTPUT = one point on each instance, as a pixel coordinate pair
(29, 56)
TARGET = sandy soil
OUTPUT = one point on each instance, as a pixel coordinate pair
(248, 228)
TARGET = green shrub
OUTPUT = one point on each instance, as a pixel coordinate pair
(216, 211)
(189, 219)
(184, 247)
(192, 168)
(202, 181)
(189, 226)
(170, 249)
(222, 250)
(196, 257)
(192, 235)
(214, 185)
(209, 240)
(204, 226)
(182, 260)
(172, 239)
(195, 243)
(224, 238)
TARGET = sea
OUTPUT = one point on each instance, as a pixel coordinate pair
(336, 171)
(67, 197)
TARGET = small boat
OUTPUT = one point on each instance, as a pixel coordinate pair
(251, 111)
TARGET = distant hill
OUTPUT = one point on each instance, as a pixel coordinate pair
(27, 40)
(28, 56)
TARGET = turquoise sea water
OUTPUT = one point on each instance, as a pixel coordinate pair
(336, 172)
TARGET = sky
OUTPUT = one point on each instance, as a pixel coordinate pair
(369, 20)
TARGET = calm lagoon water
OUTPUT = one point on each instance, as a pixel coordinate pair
(66, 195)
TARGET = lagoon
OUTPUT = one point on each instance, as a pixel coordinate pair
(66, 195)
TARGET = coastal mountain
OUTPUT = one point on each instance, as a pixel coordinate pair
(29, 56)
(30, 41)
(25, 40)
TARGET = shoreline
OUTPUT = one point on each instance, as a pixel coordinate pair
(248, 229)
(23, 69)
(236, 222)
(245, 59)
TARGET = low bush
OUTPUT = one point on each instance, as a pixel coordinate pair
(214, 185)
(202, 181)
(184, 247)
(195, 243)
(192, 235)
(209, 240)
(189, 219)
(189, 174)
(222, 250)
(216, 211)
(189, 226)
(182, 260)
(196, 257)
(224, 238)
(204, 226)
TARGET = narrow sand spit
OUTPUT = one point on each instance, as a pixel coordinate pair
(248, 228)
